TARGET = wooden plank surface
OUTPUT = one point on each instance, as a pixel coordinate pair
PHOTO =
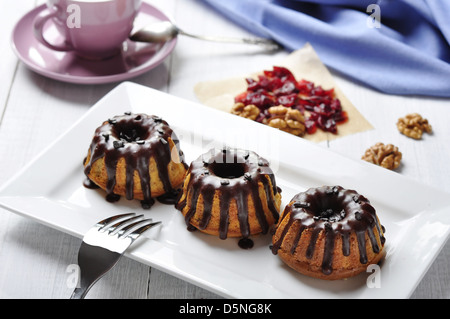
(35, 110)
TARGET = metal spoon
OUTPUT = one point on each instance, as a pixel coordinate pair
(165, 31)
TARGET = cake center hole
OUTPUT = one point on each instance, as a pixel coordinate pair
(130, 133)
(228, 170)
(331, 214)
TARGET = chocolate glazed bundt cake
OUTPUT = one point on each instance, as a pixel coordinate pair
(230, 193)
(136, 156)
(329, 233)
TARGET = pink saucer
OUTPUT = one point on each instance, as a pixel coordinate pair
(135, 59)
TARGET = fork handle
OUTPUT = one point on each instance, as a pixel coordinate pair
(266, 43)
(86, 285)
(91, 272)
(79, 293)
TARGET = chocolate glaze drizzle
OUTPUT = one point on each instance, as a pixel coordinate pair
(337, 212)
(136, 138)
(235, 174)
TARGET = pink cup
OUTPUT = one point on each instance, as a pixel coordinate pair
(94, 29)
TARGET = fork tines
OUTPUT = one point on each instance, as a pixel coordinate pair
(126, 225)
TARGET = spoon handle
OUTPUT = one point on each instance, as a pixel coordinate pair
(267, 43)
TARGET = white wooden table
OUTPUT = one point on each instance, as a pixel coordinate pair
(34, 110)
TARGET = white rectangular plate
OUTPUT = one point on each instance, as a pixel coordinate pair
(416, 217)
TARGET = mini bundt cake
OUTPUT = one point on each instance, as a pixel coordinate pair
(329, 233)
(136, 156)
(230, 193)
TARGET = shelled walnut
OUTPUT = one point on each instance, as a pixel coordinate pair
(286, 119)
(248, 111)
(387, 156)
(413, 125)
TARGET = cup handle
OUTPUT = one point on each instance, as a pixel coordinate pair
(38, 28)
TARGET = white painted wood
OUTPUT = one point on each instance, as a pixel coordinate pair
(9, 14)
(35, 110)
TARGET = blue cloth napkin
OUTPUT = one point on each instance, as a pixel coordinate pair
(407, 54)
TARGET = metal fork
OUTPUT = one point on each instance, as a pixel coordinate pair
(104, 244)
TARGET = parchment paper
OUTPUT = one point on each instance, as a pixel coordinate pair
(304, 64)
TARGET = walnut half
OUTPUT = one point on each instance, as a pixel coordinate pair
(413, 125)
(387, 156)
(248, 111)
(286, 119)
